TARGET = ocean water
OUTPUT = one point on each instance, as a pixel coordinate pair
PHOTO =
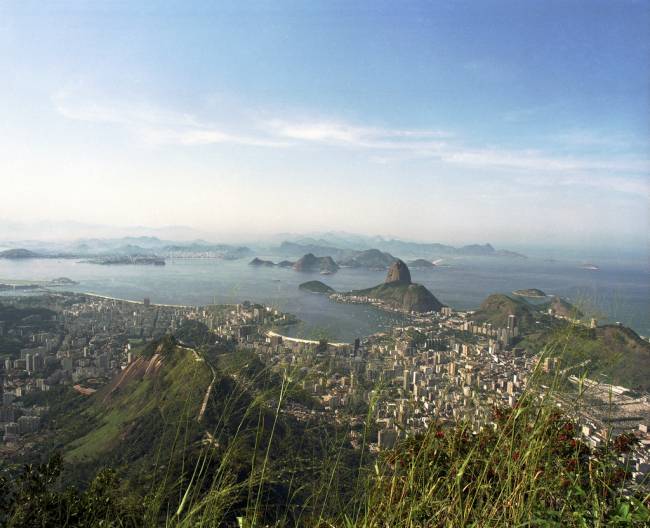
(619, 291)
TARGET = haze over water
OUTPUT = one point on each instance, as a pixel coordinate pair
(620, 291)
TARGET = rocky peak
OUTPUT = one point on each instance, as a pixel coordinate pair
(398, 272)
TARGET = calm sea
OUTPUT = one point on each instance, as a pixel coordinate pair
(619, 291)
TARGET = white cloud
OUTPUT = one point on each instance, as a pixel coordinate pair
(352, 135)
(158, 126)
(155, 125)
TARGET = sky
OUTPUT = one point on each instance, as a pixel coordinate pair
(502, 121)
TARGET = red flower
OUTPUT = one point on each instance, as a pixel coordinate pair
(440, 434)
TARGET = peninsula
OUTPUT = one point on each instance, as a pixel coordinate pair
(396, 293)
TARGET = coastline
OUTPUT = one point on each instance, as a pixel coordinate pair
(271, 333)
(109, 298)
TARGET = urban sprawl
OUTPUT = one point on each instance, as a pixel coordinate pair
(435, 368)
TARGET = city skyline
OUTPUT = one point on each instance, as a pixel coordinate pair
(503, 122)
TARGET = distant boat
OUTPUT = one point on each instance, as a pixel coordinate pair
(326, 272)
(592, 267)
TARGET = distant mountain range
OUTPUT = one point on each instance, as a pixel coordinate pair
(390, 248)
(129, 247)
(346, 250)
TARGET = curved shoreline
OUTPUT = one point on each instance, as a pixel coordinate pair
(270, 333)
(108, 298)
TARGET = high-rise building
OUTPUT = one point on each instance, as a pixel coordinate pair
(452, 369)
(38, 362)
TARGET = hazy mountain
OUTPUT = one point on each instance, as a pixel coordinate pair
(16, 254)
(342, 249)
(309, 262)
(421, 264)
(369, 258)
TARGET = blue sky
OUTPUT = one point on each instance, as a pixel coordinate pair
(513, 122)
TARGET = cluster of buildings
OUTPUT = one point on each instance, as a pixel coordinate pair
(83, 340)
(440, 367)
(412, 376)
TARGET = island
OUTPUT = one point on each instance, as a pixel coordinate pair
(62, 281)
(422, 264)
(531, 293)
(17, 254)
(310, 262)
(316, 287)
(261, 263)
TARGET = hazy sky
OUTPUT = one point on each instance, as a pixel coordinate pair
(444, 121)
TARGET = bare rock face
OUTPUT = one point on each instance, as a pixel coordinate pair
(398, 272)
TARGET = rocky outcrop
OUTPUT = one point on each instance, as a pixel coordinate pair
(398, 273)
(259, 262)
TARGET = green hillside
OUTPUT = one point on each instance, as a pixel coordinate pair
(178, 418)
(612, 354)
(563, 308)
(164, 390)
(496, 309)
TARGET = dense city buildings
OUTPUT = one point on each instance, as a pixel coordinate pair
(438, 368)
